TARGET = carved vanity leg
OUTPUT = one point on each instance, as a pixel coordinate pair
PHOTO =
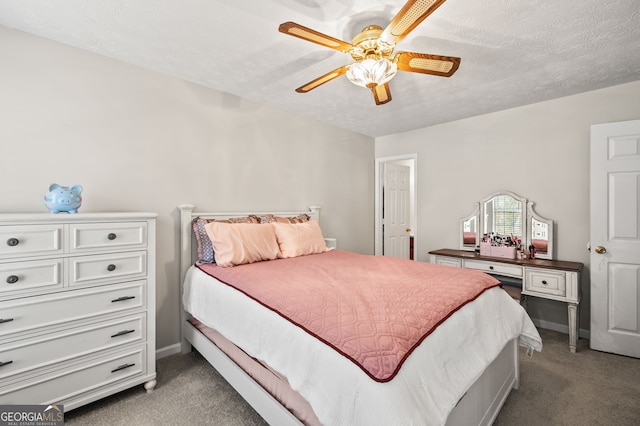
(573, 326)
(150, 385)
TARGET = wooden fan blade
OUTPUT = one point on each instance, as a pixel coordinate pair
(296, 30)
(409, 17)
(443, 66)
(381, 93)
(321, 80)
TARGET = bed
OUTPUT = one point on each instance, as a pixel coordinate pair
(453, 376)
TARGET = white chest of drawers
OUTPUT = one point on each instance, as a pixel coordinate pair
(77, 306)
(549, 279)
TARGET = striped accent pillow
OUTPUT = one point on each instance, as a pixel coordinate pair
(205, 248)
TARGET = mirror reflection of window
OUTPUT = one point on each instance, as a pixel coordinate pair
(468, 225)
(539, 235)
(503, 216)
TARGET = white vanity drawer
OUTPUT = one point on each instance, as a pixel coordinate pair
(48, 349)
(28, 314)
(27, 277)
(495, 268)
(109, 235)
(545, 282)
(107, 268)
(449, 261)
(59, 385)
(30, 240)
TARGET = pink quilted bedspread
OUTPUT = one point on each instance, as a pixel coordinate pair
(374, 310)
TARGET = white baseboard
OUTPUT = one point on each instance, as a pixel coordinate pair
(167, 351)
(560, 328)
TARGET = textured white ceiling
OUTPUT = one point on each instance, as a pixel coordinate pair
(513, 52)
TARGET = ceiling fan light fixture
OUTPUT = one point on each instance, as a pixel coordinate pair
(372, 52)
(372, 72)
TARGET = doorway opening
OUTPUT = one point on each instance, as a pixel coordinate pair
(395, 206)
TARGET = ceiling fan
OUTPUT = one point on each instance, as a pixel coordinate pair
(372, 50)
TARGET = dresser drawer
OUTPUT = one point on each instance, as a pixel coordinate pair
(545, 282)
(449, 261)
(29, 354)
(31, 240)
(495, 268)
(106, 268)
(77, 306)
(59, 385)
(26, 277)
(109, 235)
(29, 314)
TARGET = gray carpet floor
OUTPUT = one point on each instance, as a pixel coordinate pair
(557, 388)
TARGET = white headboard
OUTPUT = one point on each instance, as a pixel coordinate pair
(188, 248)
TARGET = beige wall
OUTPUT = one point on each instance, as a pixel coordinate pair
(141, 141)
(539, 151)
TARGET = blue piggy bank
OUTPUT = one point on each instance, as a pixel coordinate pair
(63, 198)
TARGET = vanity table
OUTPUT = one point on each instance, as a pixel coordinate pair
(505, 213)
(549, 279)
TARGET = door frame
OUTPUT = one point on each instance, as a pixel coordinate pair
(413, 158)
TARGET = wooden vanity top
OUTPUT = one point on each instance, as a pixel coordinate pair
(538, 263)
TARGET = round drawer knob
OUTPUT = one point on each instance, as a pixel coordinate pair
(12, 279)
(491, 267)
(544, 282)
(111, 267)
(12, 242)
(111, 236)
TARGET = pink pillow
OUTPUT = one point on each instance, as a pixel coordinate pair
(299, 239)
(239, 243)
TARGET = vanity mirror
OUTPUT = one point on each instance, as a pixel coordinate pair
(470, 233)
(503, 214)
(541, 233)
(507, 214)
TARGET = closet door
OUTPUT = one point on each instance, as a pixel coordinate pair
(615, 238)
(397, 215)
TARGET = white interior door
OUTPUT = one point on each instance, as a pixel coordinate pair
(396, 215)
(615, 238)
